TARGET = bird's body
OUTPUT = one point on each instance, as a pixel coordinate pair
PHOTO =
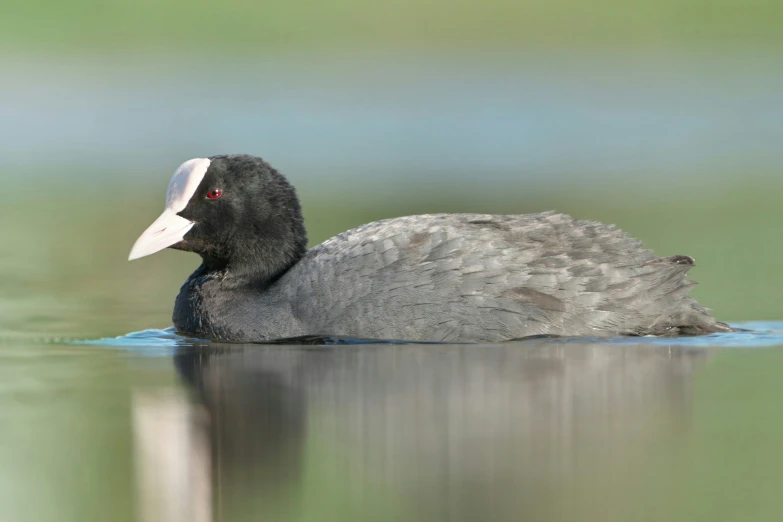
(456, 277)
(443, 278)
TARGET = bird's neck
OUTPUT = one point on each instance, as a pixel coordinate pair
(257, 264)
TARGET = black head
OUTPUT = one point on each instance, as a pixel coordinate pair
(235, 211)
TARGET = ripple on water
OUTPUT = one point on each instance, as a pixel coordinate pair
(756, 335)
(146, 342)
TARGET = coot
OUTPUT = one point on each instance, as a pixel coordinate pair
(439, 277)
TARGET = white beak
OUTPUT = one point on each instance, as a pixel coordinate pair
(170, 228)
(167, 230)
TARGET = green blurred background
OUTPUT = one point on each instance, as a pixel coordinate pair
(247, 27)
(665, 118)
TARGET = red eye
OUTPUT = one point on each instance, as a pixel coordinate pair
(215, 193)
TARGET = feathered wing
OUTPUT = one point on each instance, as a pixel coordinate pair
(469, 277)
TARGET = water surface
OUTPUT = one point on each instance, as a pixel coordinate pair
(153, 426)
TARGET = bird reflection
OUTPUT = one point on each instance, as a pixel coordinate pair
(518, 431)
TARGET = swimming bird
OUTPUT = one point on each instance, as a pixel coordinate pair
(436, 278)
